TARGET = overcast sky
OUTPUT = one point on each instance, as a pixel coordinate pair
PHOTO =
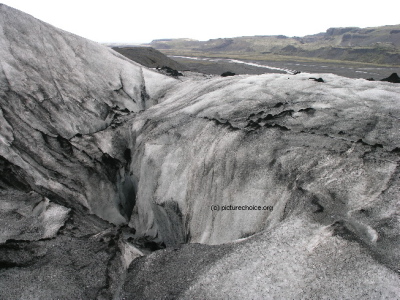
(144, 20)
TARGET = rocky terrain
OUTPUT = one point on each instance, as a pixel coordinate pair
(246, 66)
(119, 182)
(149, 57)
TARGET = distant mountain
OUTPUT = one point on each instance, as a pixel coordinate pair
(379, 45)
(361, 37)
(149, 57)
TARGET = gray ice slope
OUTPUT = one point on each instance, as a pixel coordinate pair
(54, 86)
(324, 155)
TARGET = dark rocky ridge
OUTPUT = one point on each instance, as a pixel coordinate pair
(149, 57)
(88, 138)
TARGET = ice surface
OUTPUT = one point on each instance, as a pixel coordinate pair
(22, 219)
(85, 130)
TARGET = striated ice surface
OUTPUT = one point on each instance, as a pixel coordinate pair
(29, 217)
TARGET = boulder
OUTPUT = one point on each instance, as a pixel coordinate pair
(169, 71)
(394, 78)
(228, 73)
(317, 79)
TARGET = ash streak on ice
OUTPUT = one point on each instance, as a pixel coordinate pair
(235, 61)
